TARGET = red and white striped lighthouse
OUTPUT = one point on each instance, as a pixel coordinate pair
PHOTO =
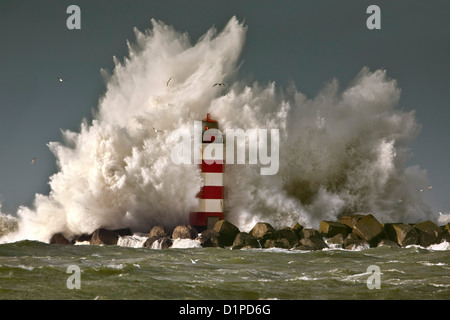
(210, 206)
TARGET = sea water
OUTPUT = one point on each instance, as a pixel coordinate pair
(35, 270)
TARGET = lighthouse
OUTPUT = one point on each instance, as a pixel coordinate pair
(210, 197)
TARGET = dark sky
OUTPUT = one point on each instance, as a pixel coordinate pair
(305, 42)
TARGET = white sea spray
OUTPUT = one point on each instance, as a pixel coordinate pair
(344, 151)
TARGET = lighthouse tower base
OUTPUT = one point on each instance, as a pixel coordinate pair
(204, 220)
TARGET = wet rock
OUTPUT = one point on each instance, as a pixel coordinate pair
(329, 229)
(429, 233)
(210, 238)
(369, 229)
(336, 240)
(445, 237)
(263, 231)
(352, 242)
(388, 243)
(403, 234)
(104, 237)
(282, 243)
(309, 233)
(227, 232)
(159, 232)
(123, 232)
(297, 228)
(446, 228)
(350, 220)
(245, 240)
(149, 242)
(312, 243)
(288, 234)
(158, 242)
(58, 238)
(165, 243)
(184, 232)
(83, 238)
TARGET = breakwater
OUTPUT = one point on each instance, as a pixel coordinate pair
(349, 232)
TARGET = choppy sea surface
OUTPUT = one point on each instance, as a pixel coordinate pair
(35, 270)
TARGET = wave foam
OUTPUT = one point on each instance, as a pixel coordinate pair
(343, 151)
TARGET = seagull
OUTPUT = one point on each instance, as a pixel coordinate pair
(60, 79)
(167, 83)
(440, 213)
(193, 261)
(33, 160)
(219, 84)
(156, 130)
(430, 187)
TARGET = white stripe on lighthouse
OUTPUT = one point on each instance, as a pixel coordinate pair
(210, 205)
(212, 178)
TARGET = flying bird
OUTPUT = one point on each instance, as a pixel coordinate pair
(430, 187)
(60, 79)
(156, 130)
(194, 261)
(167, 83)
(33, 160)
(219, 84)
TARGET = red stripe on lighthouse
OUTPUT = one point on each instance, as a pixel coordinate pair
(211, 192)
(216, 166)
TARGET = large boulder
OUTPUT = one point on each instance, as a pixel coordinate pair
(104, 237)
(184, 232)
(227, 232)
(159, 232)
(447, 228)
(155, 242)
(58, 238)
(288, 234)
(388, 243)
(245, 240)
(282, 243)
(82, 238)
(403, 234)
(337, 240)
(309, 233)
(352, 242)
(445, 237)
(263, 231)
(149, 242)
(429, 233)
(329, 229)
(297, 228)
(350, 220)
(312, 243)
(368, 228)
(123, 232)
(210, 238)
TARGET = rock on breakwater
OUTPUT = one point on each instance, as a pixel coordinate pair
(350, 232)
